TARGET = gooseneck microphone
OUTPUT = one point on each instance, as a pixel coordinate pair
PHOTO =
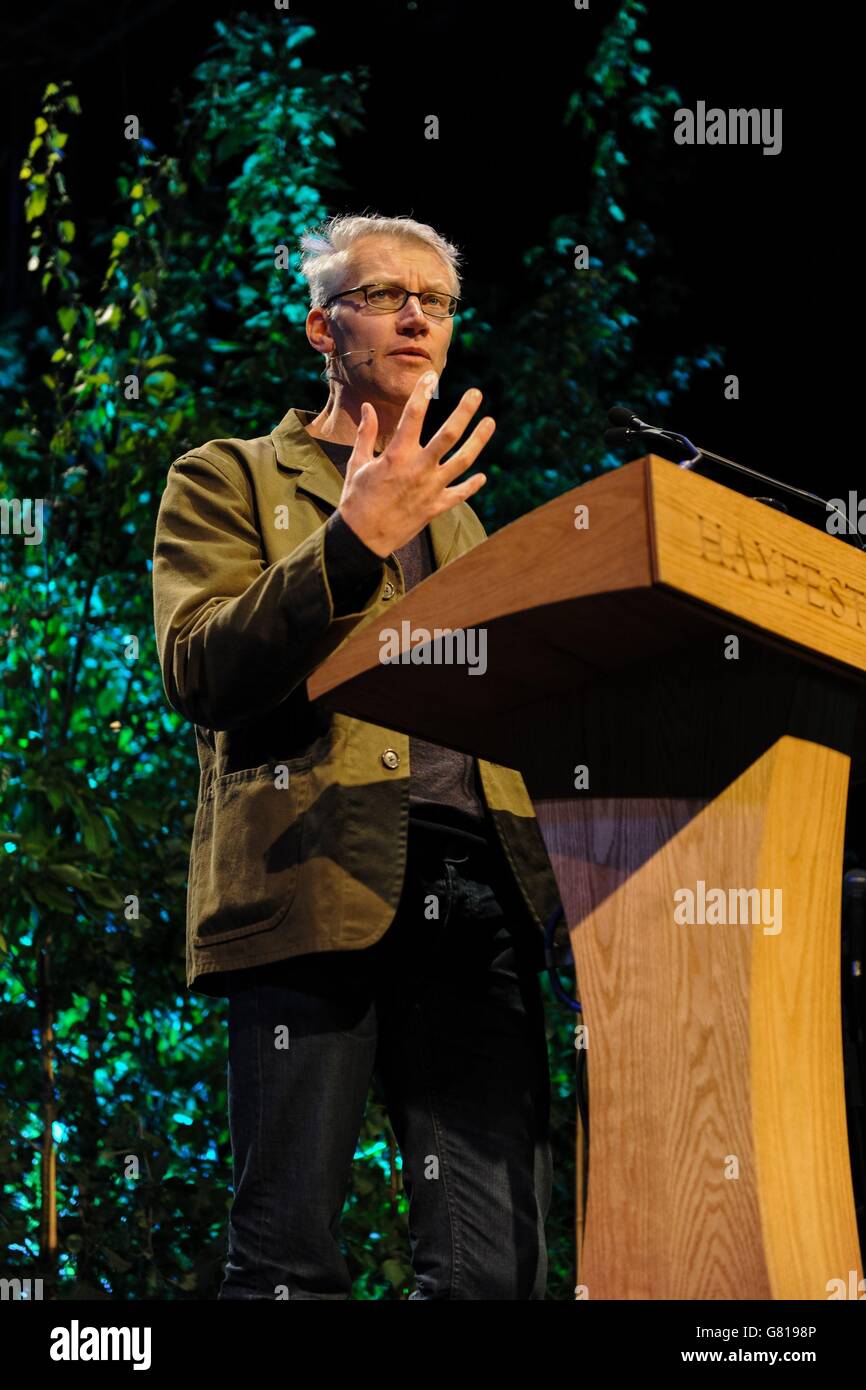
(629, 427)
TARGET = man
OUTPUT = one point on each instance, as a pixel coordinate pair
(371, 904)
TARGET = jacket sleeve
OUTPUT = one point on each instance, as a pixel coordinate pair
(235, 636)
(354, 570)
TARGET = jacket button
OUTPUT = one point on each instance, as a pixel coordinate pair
(391, 758)
(389, 591)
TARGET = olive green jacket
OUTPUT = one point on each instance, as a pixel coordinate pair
(300, 832)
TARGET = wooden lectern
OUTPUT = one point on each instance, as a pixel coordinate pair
(703, 657)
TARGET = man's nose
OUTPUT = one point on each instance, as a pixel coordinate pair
(412, 308)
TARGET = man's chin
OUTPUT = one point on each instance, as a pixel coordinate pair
(398, 391)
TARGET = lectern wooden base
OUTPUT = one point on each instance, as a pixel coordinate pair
(719, 1161)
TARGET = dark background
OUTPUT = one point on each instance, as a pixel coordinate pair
(755, 237)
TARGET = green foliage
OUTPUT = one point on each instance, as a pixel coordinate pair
(190, 332)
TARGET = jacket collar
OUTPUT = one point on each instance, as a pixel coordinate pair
(298, 451)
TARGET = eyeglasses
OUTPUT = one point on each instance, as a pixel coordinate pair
(387, 299)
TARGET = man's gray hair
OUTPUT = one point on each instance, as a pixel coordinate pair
(327, 250)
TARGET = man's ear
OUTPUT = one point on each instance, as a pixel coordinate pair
(318, 331)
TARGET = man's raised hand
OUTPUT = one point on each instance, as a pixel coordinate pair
(388, 500)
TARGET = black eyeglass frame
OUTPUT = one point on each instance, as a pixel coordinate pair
(386, 284)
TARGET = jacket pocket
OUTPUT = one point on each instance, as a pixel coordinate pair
(245, 851)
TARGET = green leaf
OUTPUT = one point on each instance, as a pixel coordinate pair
(35, 204)
(161, 384)
(394, 1272)
(95, 834)
(69, 873)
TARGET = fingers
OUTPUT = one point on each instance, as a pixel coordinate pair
(408, 432)
(461, 492)
(409, 429)
(469, 451)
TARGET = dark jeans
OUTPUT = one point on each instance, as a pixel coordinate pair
(447, 1013)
